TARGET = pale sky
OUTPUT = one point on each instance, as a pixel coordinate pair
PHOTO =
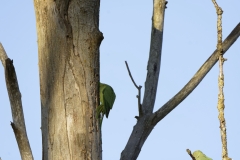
(189, 39)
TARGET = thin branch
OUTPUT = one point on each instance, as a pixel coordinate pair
(196, 79)
(190, 154)
(139, 91)
(14, 94)
(220, 105)
(129, 72)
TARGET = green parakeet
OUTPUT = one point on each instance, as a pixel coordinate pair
(107, 98)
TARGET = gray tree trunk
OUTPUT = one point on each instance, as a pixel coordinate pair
(68, 52)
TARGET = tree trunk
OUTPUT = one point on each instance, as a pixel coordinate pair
(68, 52)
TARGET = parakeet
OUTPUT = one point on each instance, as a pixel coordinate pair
(199, 155)
(107, 98)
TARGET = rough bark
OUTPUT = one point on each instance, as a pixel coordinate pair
(68, 52)
(14, 94)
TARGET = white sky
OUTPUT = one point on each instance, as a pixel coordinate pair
(189, 39)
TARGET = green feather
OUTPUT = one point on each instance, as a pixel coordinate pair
(199, 155)
(107, 98)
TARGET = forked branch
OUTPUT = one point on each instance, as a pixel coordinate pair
(144, 127)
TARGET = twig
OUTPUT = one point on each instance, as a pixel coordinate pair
(129, 72)
(139, 91)
(190, 154)
(14, 94)
(220, 104)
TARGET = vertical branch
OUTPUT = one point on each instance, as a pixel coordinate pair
(18, 124)
(153, 67)
(221, 105)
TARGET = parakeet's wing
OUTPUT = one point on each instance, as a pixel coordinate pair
(108, 98)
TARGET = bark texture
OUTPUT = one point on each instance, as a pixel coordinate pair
(68, 50)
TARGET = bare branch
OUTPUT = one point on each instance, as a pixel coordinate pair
(196, 79)
(14, 94)
(139, 91)
(220, 105)
(190, 154)
(154, 56)
(3, 55)
(144, 126)
(146, 123)
(129, 72)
